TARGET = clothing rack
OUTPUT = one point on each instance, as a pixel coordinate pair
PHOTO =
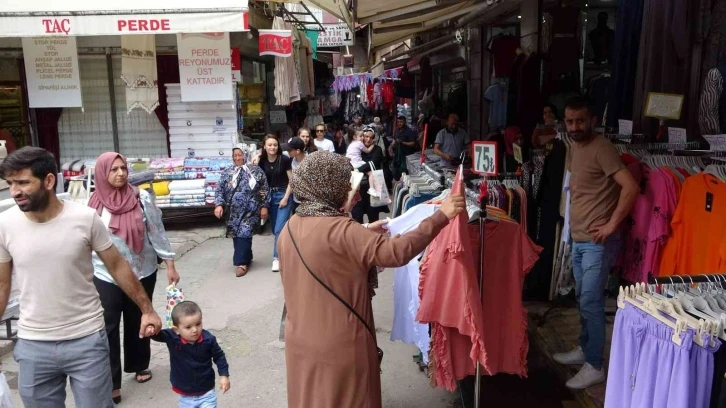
(436, 175)
(663, 146)
(482, 237)
(618, 136)
(681, 279)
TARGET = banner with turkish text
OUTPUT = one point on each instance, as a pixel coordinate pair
(205, 67)
(236, 64)
(51, 68)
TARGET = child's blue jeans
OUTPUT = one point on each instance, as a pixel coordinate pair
(208, 400)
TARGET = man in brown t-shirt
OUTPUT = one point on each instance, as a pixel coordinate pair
(603, 192)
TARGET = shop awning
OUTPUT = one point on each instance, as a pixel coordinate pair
(29, 18)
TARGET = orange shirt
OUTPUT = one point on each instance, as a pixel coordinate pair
(698, 243)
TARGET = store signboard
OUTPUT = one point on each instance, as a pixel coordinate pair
(278, 117)
(277, 43)
(29, 18)
(205, 67)
(236, 65)
(484, 158)
(335, 35)
(663, 105)
(51, 68)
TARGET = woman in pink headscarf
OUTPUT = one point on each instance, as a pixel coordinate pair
(138, 233)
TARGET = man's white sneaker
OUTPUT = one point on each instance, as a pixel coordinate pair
(275, 265)
(586, 377)
(574, 357)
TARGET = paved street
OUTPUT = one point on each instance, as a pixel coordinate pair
(244, 314)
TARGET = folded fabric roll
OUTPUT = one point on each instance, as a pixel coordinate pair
(181, 185)
(167, 163)
(136, 179)
(161, 188)
(186, 196)
(199, 191)
(178, 175)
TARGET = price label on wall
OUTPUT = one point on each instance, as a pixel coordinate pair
(677, 135)
(625, 127)
(717, 143)
(517, 152)
(484, 158)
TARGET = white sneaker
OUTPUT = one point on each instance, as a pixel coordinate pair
(275, 265)
(574, 357)
(586, 377)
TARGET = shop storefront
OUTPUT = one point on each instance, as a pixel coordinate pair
(117, 59)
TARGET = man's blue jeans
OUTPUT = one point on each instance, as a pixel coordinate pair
(278, 216)
(591, 265)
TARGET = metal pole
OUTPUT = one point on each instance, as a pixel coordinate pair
(112, 95)
(482, 236)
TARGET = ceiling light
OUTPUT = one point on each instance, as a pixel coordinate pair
(519, 16)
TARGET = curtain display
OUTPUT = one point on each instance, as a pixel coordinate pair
(138, 71)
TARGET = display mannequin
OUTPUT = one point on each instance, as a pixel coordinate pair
(712, 109)
(601, 39)
(565, 45)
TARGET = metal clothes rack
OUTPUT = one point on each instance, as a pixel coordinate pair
(482, 237)
(436, 175)
(662, 146)
(688, 279)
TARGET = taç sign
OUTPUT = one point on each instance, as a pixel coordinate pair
(276, 42)
(205, 67)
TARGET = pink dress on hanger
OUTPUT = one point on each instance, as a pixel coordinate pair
(450, 301)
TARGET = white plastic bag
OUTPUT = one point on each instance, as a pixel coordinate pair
(5, 400)
(174, 296)
(379, 190)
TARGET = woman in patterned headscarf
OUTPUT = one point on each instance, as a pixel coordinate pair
(243, 198)
(325, 257)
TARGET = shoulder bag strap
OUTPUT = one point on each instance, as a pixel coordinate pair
(349, 307)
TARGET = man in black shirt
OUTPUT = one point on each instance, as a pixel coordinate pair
(404, 140)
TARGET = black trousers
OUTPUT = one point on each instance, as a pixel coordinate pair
(137, 352)
(242, 251)
(363, 207)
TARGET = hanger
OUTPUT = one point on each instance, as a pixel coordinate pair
(627, 295)
(672, 308)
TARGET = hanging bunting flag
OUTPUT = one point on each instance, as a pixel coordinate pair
(275, 42)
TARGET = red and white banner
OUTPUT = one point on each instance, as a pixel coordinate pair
(123, 24)
(205, 67)
(30, 18)
(236, 64)
(276, 42)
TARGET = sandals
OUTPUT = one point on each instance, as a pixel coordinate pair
(144, 373)
(241, 271)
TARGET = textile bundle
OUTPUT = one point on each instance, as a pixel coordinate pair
(138, 70)
(287, 89)
(194, 180)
